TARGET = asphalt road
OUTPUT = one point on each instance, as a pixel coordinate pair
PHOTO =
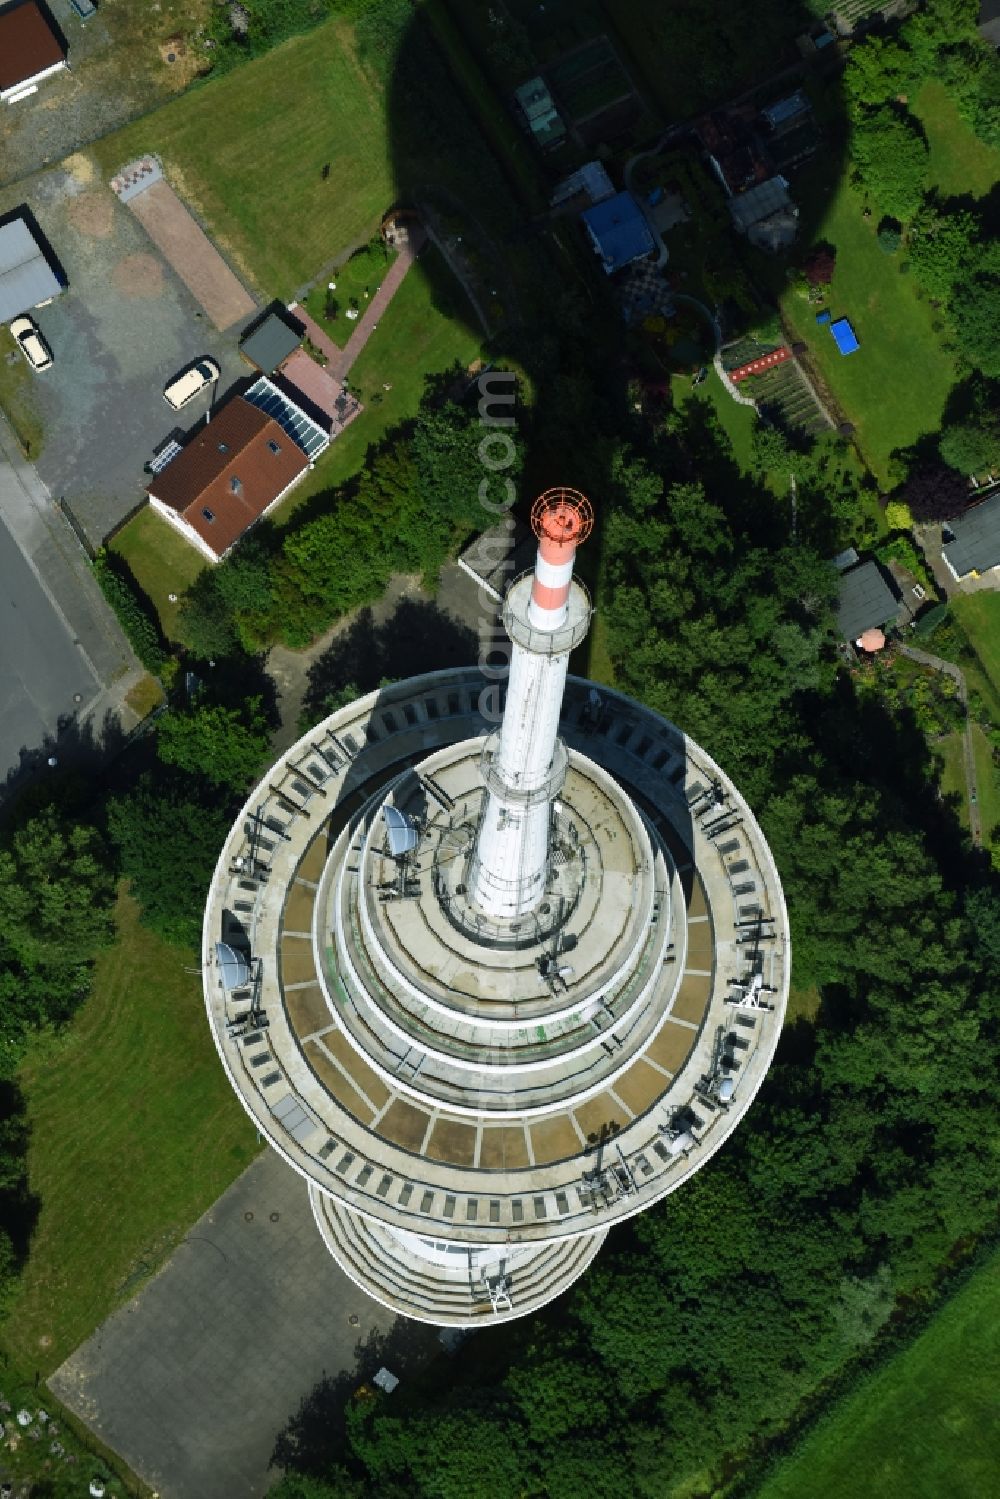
(58, 638)
(41, 666)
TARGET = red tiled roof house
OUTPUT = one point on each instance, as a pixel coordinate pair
(234, 471)
(29, 50)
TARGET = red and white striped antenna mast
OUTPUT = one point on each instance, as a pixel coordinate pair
(546, 615)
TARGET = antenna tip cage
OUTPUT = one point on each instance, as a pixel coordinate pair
(562, 515)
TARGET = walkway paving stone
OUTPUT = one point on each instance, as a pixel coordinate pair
(194, 1378)
(189, 250)
(341, 360)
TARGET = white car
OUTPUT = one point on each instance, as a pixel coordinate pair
(185, 386)
(31, 343)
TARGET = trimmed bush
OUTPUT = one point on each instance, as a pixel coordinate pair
(139, 629)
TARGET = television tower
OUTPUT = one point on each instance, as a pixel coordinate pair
(545, 615)
(492, 993)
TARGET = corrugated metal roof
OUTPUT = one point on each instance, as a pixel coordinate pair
(759, 203)
(976, 547)
(26, 278)
(540, 111)
(786, 109)
(865, 599)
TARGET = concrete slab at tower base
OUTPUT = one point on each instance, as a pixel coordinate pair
(192, 1380)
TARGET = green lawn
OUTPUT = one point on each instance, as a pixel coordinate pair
(959, 162)
(17, 395)
(922, 1427)
(249, 151)
(895, 387)
(426, 330)
(952, 778)
(161, 562)
(134, 1134)
(355, 281)
(979, 616)
(988, 782)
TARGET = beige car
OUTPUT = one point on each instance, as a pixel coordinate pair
(31, 343)
(185, 386)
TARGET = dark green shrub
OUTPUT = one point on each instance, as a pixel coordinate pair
(140, 630)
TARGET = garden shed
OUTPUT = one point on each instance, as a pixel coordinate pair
(618, 231)
(866, 600)
(26, 278)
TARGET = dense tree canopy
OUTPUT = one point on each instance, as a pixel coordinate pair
(939, 246)
(55, 914)
(224, 746)
(168, 842)
(973, 446)
(890, 157)
(975, 311)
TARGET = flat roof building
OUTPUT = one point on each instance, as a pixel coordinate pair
(974, 539)
(26, 278)
(30, 50)
(618, 231)
(540, 114)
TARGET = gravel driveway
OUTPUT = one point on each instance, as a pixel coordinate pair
(116, 72)
(123, 327)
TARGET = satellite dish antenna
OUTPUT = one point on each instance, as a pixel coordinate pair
(233, 966)
(403, 836)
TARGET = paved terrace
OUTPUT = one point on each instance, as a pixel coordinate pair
(354, 1119)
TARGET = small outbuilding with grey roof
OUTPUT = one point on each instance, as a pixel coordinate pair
(26, 278)
(866, 601)
(272, 339)
(972, 540)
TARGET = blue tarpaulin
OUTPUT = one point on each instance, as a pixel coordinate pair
(845, 337)
(822, 317)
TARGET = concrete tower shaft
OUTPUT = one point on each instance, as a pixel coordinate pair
(546, 614)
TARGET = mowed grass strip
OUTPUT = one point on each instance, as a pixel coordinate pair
(952, 779)
(988, 786)
(249, 151)
(17, 395)
(160, 561)
(895, 387)
(979, 615)
(921, 1427)
(134, 1134)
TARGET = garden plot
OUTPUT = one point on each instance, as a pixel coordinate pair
(784, 393)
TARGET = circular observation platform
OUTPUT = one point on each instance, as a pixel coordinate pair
(475, 1103)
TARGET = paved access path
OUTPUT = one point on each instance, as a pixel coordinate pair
(341, 360)
(193, 1380)
(937, 663)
